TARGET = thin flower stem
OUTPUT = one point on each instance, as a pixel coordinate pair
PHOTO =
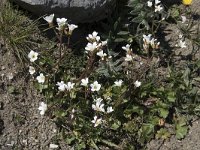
(65, 51)
(88, 68)
(60, 48)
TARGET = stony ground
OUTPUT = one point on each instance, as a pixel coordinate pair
(191, 141)
(23, 128)
(21, 124)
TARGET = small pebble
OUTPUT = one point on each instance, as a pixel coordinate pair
(11, 144)
(10, 76)
(53, 146)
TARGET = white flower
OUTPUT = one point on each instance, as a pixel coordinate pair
(184, 19)
(110, 109)
(42, 108)
(93, 37)
(101, 54)
(91, 46)
(182, 44)
(61, 86)
(95, 86)
(154, 43)
(103, 43)
(137, 83)
(69, 86)
(127, 47)
(49, 18)
(41, 78)
(147, 38)
(157, 2)
(84, 82)
(61, 23)
(71, 28)
(98, 106)
(31, 70)
(96, 121)
(33, 56)
(149, 4)
(72, 114)
(53, 146)
(180, 36)
(128, 57)
(118, 83)
(158, 8)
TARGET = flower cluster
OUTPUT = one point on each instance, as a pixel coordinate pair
(158, 7)
(99, 107)
(118, 83)
(129, 54)
(95, 45)
(63, 25)
(149, 41)
(62, 86)
(33, 56)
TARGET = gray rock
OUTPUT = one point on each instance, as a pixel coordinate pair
(79, 11)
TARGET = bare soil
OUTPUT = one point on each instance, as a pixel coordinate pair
(21, 125)
(23, 128)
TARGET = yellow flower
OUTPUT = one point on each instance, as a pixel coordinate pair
(187, 2)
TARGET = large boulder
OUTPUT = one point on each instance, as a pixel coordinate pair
(79, 11)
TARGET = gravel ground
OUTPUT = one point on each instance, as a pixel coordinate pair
(191, 141)
(22, 127)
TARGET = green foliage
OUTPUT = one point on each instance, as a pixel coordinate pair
(140, 112)
(16, 30)
(143, 105)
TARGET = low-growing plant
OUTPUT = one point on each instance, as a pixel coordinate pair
(117, 99)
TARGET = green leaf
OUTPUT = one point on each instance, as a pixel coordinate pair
(163, 134)
(60, 113)
(70, 140)
(186, 76)
(130, 126)
(171, 96)
(81, 146)
(146, 132)
(110, 144)
(137, 19)
(123, 33)
(175, 12)
(118, 40)
(181, 127)
(163, 112)
(72, 94)
(134, 109)
(116, 125)
(181, 131)
(42, 87)
(197, 79)
(11, 89)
